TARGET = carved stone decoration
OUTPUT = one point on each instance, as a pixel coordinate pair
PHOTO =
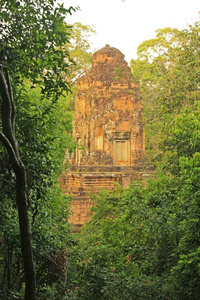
(109, 129)
(108, 114)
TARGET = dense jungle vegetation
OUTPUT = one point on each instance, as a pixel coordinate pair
(143, 242)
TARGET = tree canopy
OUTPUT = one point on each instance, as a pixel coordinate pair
(167, 69)
(33, 34)
(32, 39)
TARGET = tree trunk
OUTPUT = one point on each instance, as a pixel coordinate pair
(7, 137)
(25, 235)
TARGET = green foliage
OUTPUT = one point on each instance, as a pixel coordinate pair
(44, 135)
(36, 53)
(32, 53)
(183, 139)
(144, 242)
(33, 34)
(167, 69)
(79, 49)
(80, 53)
(49, 133)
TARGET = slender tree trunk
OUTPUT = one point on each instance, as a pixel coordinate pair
(7, 137)
(26, 245)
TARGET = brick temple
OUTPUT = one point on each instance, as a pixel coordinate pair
(109, 129)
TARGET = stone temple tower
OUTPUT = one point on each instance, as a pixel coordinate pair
(109, 129)
(108, 113)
